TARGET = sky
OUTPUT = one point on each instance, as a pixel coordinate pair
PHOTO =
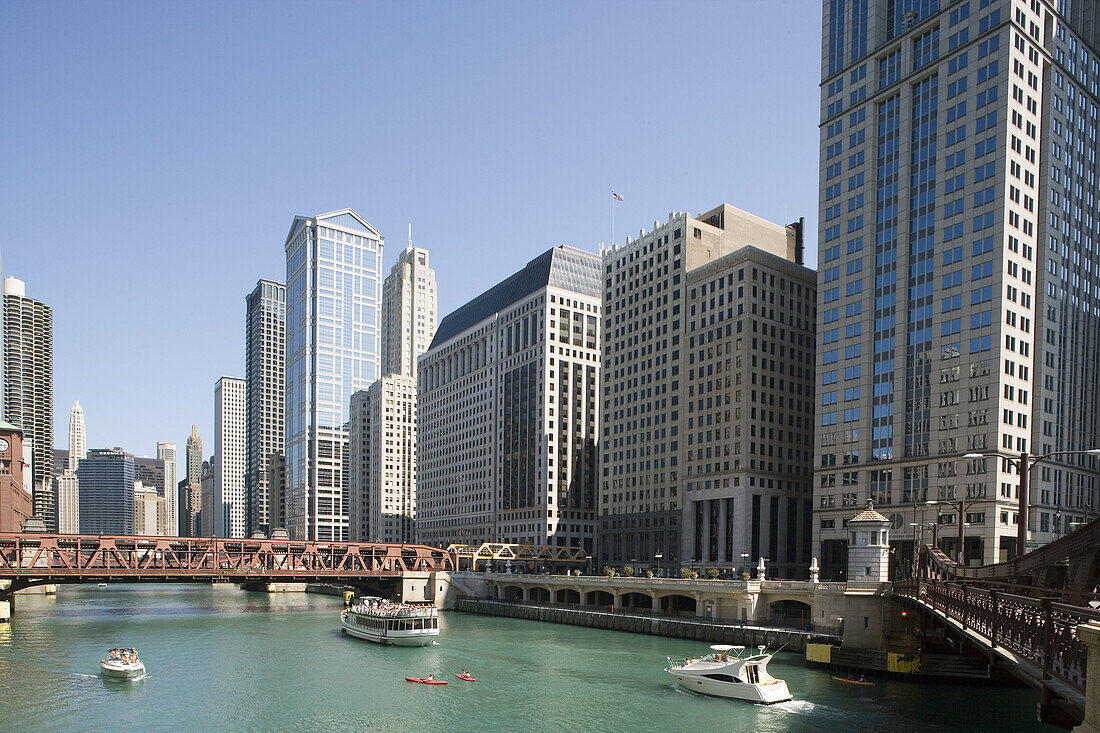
(153, 156)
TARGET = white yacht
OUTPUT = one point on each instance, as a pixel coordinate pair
(726, 673)
(122, 664)
(386, 622)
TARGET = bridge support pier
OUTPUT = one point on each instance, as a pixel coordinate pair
(1090, 634)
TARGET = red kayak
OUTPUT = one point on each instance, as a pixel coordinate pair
(465, 677)
(425, 681)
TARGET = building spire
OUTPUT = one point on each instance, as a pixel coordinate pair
(410, 244)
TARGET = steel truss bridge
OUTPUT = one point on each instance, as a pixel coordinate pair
(36, 559)
(1023, 613)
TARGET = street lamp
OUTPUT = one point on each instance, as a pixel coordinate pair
(1024, 463)
(658, 557)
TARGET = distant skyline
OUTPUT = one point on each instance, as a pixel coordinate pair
(153, 157)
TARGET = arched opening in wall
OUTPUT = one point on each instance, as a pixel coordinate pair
(677, 605)
(540, 595)
(567, 595)
(513, 593)
(637, 602)
(791, 614)
(598, 598)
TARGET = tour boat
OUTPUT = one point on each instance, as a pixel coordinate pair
(425, 680)
(122, 664)
(386, 622)
(723, 674)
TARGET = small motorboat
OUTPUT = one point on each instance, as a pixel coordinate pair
(122, 664)
(426, 680)
(465, 677)
(726, 673)
(851, 681)
(101, 585)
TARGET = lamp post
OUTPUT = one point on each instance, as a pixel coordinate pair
(1024, 463)
(658, 557)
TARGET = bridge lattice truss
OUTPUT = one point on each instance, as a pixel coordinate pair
(28, 559)
(1030, 606)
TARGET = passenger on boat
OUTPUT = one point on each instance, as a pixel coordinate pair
(430, 678)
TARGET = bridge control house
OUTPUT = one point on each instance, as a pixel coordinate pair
(15, 492)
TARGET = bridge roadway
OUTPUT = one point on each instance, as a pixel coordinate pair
(36, 559)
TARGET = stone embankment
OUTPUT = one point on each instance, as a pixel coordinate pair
(677, 628)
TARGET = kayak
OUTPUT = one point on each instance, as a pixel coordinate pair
(853, 682)
(465, 677)
(425, 681)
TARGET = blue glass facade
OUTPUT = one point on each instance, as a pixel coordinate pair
(106, 491)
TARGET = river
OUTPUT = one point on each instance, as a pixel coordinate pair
(224, 659)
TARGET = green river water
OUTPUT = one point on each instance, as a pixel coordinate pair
(225, 659)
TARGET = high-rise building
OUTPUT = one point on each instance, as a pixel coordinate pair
(150, 513)
(67, 499)
(333, 266)
(78, 440)
(106, 484)
(150, 472)
(166, 452)
(382, 428)
(408, 311)
(230, 517)
(265, 373)
(705, 445)
(959, 276)
(507, 410)
(206, 516)
(191, 494)
(28, 387)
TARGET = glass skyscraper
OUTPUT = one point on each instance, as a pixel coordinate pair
(958, 307)
(333, 348)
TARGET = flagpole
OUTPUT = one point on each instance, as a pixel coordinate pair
(612, 218)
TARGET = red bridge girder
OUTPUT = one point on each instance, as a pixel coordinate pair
(72, 558)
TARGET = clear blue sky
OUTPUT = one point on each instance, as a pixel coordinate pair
(155, 153)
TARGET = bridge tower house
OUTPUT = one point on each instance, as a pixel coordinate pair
(868, 546)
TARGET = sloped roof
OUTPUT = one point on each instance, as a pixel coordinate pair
(5, 425)
(562, 267)
(868, 515)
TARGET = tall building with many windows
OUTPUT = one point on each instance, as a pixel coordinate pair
(265, 373)
(333, 334)
(166, 452)
(28, 388)
(78, 439)
(958, 287)
(190, 492)
(105, 481)
(382, 428)
(230, 504)
(707, 394)
(507, 414)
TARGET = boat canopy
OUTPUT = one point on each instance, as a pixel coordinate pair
(723, 647)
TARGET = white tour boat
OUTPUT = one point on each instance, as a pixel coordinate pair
(726, 674)
(122, 664)
(386, 622)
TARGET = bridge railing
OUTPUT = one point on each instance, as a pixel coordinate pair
(1040, 630)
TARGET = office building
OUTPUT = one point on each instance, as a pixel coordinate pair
(150, 472)
(78, 440)
(16, 503)
(190, 494)
(333, 308)
(230, 518)
(166, 452)
(28, 388)
(507, 413)
(706, 435)
(409, 305)
(208, 508)
(67, 500)
(265, 375)
(150, 512)
(106, 485)
(959, 277)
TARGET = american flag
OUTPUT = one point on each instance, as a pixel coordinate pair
(616, 196)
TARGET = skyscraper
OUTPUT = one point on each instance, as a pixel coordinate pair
(167, 453)
(105, 479)
(507, 413)
(190, 497)
(333, 266)
(957, 301)
(28, 387)
(382, 428)
(265, 373)
(409, 311)
(78, 441)
(706, 431)
(230, 505)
